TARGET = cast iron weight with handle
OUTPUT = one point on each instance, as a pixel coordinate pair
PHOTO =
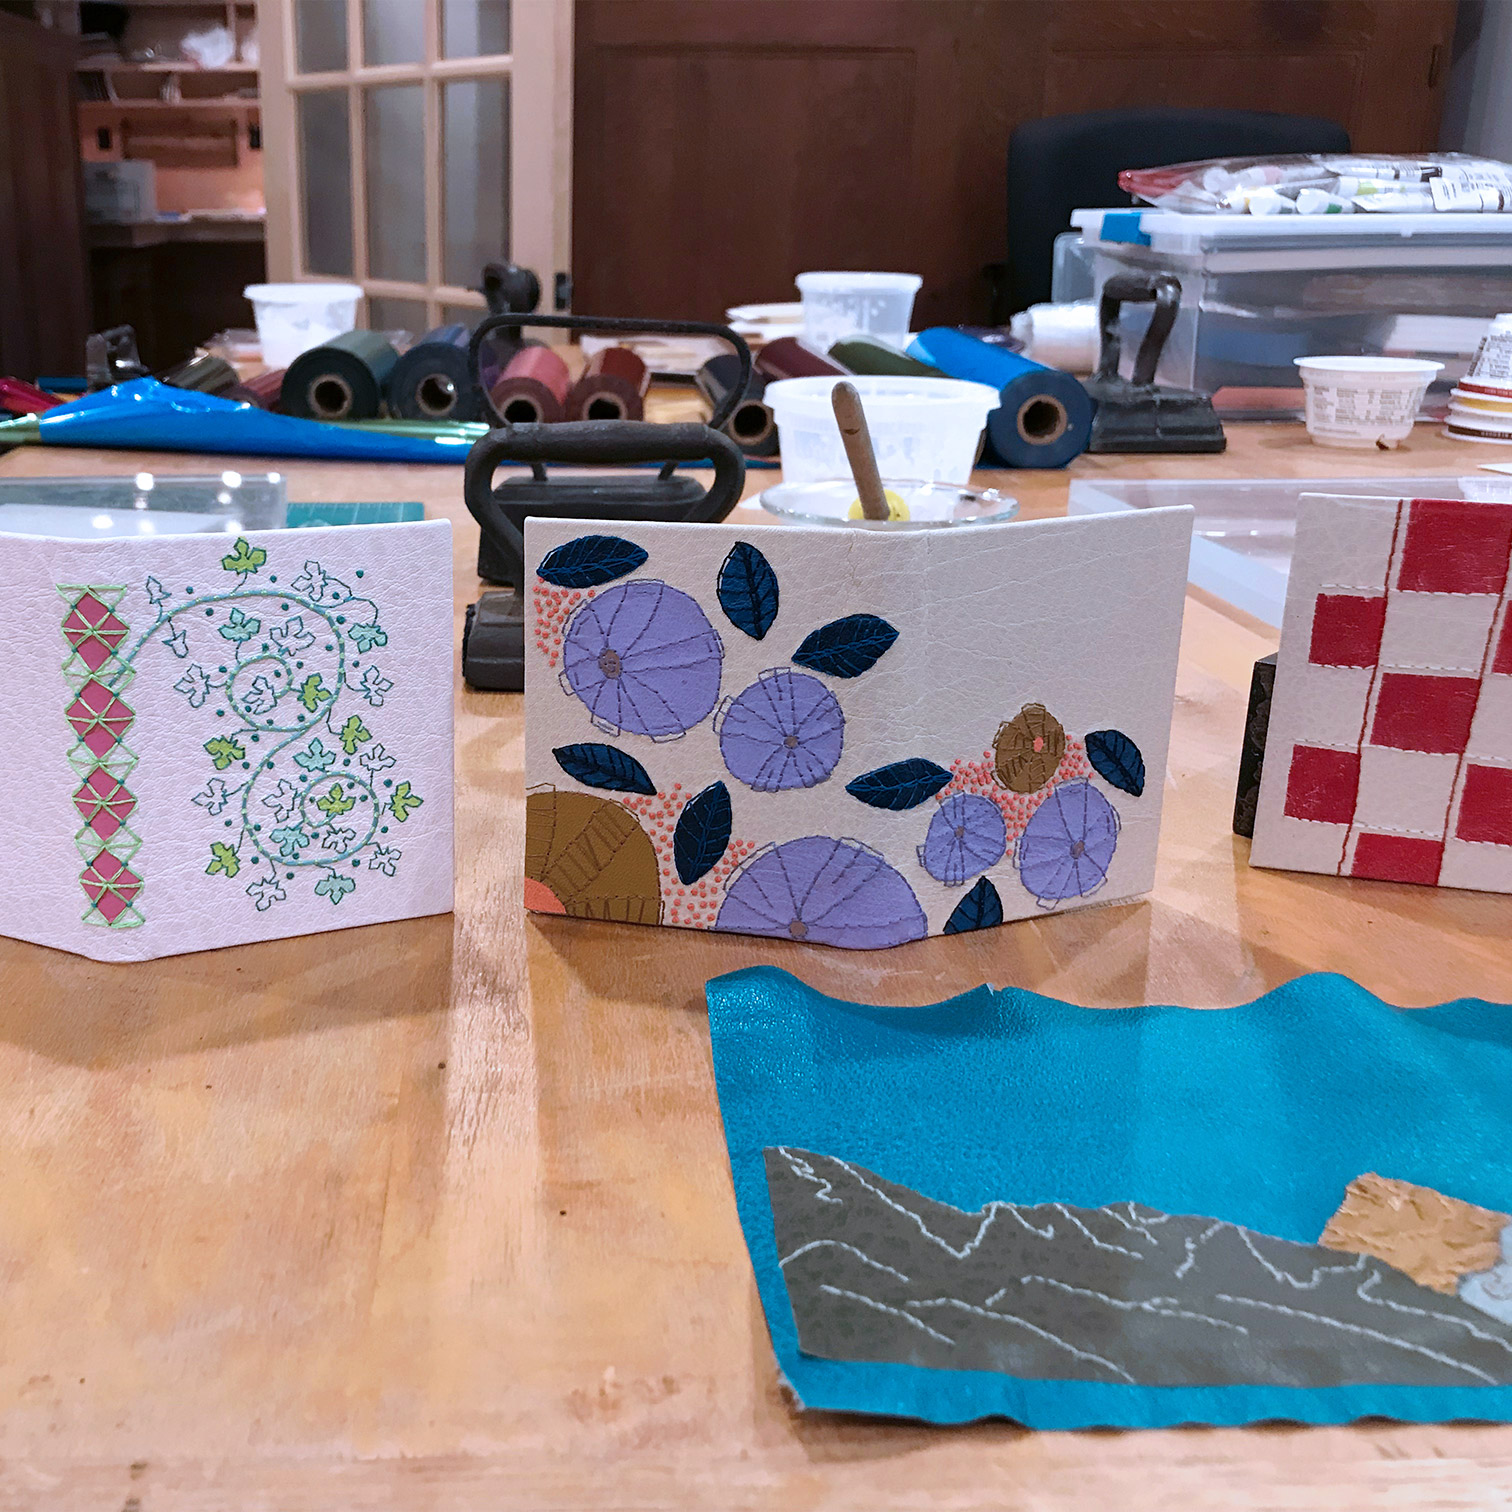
(493, 639)
(1136, 415)
(666, 496)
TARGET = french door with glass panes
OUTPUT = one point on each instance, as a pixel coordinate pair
(409, 142)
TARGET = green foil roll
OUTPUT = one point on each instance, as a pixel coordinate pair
(342, 380)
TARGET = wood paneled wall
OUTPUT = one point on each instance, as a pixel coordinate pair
(721, 146)
(44, 299)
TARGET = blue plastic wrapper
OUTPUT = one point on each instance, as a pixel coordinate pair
(145, 415)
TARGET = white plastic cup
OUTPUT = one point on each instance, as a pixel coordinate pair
(1363, 403)
(293, 317)
(837, 305)
(1493, 359)
(924, 428)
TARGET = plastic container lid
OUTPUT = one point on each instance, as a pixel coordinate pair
(847, 283)
(1335, 240)
(300, 293)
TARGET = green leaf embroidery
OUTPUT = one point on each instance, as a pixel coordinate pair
(334, 886)
(368, 636)
(403, 801)
(353, 733)
(311, 691)
(335, 802)
(316, 759)
(246, 558)
(223, 860)
(241, 628)
(223, 752)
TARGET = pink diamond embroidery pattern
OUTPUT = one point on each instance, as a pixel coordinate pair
(93, 631)
(99, 718)
(110, 885)
(97, 673)
(103, 803)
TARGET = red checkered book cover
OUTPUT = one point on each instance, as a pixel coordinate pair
(1390, 746)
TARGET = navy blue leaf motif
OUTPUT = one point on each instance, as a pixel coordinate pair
(590, 560)
(748, 590)
(900, 785)
(702, 833)
(1116, 759)
(981, 908)
(601, 766)
(846, 647)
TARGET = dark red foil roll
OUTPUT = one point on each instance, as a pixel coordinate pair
(613, 387)
(533, 388)
(788, 357)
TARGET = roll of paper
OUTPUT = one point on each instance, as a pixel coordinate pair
(613, 387)
(342, 380)
(532, 390)
(1061, 336)
(788, 357)
(1045, 416)
(432, 380)
(751, 426)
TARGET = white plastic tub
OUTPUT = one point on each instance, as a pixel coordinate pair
(924, 428)
(837, 305)
(1365, 403)
(293, 317)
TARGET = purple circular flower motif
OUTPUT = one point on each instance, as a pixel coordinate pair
(966, 836)
(828, 892)
(785, 731)
(1068, 843)
(644, 658)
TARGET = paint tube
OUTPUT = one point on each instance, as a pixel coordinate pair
(1321, 202)
(1461, 197)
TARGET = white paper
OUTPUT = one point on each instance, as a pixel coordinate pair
(1081, 616)
(284, 683)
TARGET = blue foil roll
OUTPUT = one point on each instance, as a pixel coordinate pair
(1045, 416)
(433, 380)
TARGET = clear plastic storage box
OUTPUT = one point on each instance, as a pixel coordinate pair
(1244, 529)
(1258, 292)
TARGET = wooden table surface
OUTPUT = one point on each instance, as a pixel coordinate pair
(436, 1215)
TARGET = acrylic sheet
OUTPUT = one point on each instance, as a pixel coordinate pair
(852, 738)
(213, 740)
(1005, 1205)
(1389, 749)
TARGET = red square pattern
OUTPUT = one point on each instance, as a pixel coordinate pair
(1322, 784)
(1397, 858)
(1421, 713)
(1502, 661)
(1454, 546)
(1486, 805)
(1346, 630)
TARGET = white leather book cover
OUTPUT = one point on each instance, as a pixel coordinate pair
(212, 740)
(846, 736)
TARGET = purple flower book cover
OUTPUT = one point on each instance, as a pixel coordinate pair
(844, 736)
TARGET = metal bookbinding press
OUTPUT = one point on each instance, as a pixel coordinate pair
(1136, 415)
(493, 641)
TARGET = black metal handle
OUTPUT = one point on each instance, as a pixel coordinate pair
(1137, 288)
(601, 442)
(625, 325)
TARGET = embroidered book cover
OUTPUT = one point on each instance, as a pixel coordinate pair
(218, 740)
(848, 738)
(1389, 751)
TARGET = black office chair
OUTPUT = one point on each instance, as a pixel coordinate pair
(1072, 162)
